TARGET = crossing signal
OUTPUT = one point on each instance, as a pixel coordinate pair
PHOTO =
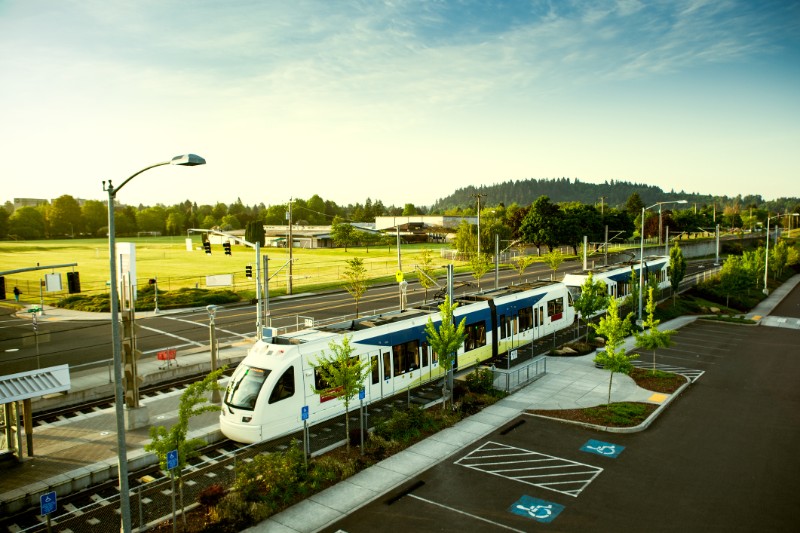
(248, 271)
(207, 247)
(73, 282)
(227, 246)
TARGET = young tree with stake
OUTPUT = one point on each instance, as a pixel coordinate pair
(445, 341)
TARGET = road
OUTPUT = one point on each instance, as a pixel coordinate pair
(77, 342)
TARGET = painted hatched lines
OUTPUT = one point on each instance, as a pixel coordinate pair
(689, 373)
(532, 468)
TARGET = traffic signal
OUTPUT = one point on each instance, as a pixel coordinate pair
(248, 271)
(227, 246)
(207, 247)
(73, 282)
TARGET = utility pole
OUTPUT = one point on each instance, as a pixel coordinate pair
(602, 206)
(478, 197)
(291, 242)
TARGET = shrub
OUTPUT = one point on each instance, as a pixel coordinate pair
(480, 381)
(211, 495)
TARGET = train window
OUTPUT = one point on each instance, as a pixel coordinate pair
(406, 357)
(387, 365)
(503, 327)
(284, 388)
(375, 370)
(475, 336)
(243, 391)
(424, 353)
(525, 319)
(555, 308)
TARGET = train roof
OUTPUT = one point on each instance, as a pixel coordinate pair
(623, 265)
(372, 321)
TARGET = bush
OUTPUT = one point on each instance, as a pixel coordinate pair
(480, 381)
(211, 495)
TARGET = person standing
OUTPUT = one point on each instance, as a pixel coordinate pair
(17, 292)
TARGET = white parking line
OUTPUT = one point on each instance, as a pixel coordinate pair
(476, 517)
(554, 473)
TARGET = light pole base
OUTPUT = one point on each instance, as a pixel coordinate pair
(136, 418)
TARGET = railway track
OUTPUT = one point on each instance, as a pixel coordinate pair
(150, 488)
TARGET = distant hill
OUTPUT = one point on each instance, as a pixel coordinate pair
(615, 194)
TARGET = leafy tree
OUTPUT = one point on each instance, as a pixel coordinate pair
(521, 262)
(577, 220)
(651, 338)
(445, 341)
(541, 224)
(125, 220)
(4, 216)
(732, 277)
(753, 262)
(778, 258)
(409, 210)
(343, 234)
(425, 271)
(343, 375)
(553, 259)
(151, 219)
(480, 265)
(27, 223)
(356, 279)
(634, 205)
(208, 222)
(594, 297)
(193, 402)
(466, 238)
(677, 269)
(65, 216)
(614, 329)
(176, 222)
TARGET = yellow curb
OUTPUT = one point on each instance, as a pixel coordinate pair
(756, 317)
(658, 397)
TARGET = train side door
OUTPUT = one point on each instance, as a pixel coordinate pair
(386, 372)
(374, 383)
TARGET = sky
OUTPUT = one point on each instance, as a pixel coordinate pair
(399, 101)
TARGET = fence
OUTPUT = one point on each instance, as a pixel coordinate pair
(509, 380)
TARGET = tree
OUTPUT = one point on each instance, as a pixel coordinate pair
(445, 341)
(578, 220)
(521, 262)
(356, 276)
(343, 234)
(778, 258)
(540, 225)
(614, 329)
(342, 375)
(554, 258)
(677, 269)
(65, 216)
(634, 205)
(466, 238)
(425, 272)
(193, 403)
(4, 216)
(593, 298)
(254, 232)
(480, 265)
(26, 223)
(732, 277)
(152, 219)
(651, 338)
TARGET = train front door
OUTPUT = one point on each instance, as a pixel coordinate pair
(387, 364)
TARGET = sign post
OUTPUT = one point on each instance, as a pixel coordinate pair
(361, 394)
(172, 464)
(48, 503)
(304, 417)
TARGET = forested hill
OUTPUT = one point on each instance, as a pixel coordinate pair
(524, 192)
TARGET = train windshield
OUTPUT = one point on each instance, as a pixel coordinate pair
(243, 391)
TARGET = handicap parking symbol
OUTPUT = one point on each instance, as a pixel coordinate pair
(540, 510)
(606, 449)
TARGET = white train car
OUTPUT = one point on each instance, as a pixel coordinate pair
(618, 277)
(266, 395)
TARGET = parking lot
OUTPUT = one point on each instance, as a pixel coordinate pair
(720, 458)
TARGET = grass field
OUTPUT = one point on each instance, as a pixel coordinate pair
(167, 259)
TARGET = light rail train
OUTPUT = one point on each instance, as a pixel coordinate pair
(617, 277)
(270, 388)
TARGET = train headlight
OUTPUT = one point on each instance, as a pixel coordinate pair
(247, 418)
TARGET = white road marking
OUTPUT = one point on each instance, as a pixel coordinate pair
(476, 517)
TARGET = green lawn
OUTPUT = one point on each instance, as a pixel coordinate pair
(175, 267)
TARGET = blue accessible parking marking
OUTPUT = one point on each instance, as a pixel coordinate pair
(606, 449)
(540, 510)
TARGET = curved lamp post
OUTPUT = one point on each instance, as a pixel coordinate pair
(766, 255)
(188, 160)
(641, 250)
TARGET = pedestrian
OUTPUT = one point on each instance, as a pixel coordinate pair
(17, 292)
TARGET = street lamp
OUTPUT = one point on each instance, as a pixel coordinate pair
(641, 250)
(212, 337)
(116, 345)
(766, 255)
